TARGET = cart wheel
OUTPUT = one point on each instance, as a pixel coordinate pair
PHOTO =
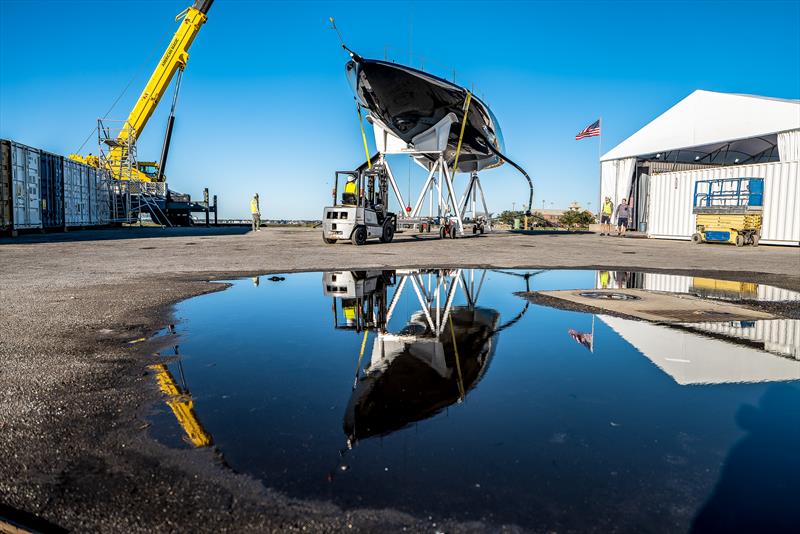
(359, 236)
(739, 240)
(453, 231)
(697, 238)
(756, 237)
(388, 232)
(480, 229)
(442, 232)
(328, 241)
(475, 229)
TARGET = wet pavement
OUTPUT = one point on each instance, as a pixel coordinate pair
(445, 394)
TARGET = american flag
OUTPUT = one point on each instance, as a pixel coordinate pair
(590, 131)
(586, 339)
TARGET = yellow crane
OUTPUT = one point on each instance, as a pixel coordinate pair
(172, 61)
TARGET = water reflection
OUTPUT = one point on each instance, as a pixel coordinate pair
(179, 399)
(776, 336)
(757, 490)
(461, 399)
(432, 362)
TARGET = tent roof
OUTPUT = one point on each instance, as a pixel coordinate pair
(708, 118)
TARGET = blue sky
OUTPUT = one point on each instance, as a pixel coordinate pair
(265, 106)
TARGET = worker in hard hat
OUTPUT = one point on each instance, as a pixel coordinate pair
(350, 195)
(255, 211)
(606, 210)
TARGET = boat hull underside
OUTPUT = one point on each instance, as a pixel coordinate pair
(410, 102)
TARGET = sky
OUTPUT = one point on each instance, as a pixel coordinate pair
(265, 107)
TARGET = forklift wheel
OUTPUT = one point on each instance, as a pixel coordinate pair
(453, 232)
(359, 235)
(475, 229)
(442, 232)
(328, 241)
(481, 229)
(388, 232)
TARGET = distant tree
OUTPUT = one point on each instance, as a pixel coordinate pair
(508, 216)
(574, 218)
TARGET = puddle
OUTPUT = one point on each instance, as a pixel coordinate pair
(443, 393)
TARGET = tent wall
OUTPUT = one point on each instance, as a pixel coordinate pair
(670, 205)
(789, 145)
(615, 179)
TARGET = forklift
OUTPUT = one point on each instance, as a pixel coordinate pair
(361, 215)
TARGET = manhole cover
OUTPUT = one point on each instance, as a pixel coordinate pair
(606, 295)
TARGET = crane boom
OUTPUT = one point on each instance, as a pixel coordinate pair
(174, 58)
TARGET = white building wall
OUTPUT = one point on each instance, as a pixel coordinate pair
(670, 203)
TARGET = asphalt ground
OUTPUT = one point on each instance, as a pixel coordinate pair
(74, 393)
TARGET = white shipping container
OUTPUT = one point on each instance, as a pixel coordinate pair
(26, 205)
(670, 204)
(98, 199)
(77, 195)
(781, 336)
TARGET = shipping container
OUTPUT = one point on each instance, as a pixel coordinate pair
(99, 197)
(21, 171)
(670, 203)
(51, 172)
(76, 193)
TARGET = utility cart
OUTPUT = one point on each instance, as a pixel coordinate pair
(728, 211)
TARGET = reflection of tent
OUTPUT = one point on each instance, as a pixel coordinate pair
(690, 358)
(415, 374)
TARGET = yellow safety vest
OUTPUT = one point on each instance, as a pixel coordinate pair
(608, 208)
(254, 206)
(350, 187)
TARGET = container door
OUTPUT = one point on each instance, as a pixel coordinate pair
(33, 185)
(25, 187)
(642, 201)
(68, 196)
(5, 185)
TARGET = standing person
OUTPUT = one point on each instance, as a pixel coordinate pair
(605, 216)
(623, 214)
(255, 211)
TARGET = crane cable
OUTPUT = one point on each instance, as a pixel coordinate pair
(363, 134)
(461, 135)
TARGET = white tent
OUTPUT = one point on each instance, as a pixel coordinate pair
(695, 129)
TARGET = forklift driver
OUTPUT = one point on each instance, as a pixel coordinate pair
(350, 195)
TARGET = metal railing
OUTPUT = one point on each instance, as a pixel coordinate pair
(728, 194)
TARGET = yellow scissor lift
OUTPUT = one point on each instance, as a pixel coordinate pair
(728, 211)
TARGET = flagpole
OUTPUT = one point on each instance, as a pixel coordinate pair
(600, 167)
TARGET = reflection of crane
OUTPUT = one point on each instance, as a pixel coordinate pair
(120, 160)
(182, 405)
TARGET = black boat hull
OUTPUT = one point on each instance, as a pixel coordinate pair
(409, 102)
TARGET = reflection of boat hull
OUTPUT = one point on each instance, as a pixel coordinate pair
(410, 102)
(409, 385)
